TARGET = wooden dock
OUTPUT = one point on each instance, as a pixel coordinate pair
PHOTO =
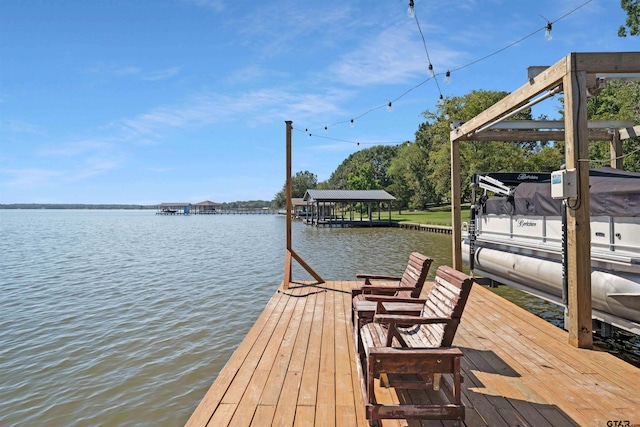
(296, 367)
(446, 229)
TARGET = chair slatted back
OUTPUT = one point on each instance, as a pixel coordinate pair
(446, 299)
(414, 275)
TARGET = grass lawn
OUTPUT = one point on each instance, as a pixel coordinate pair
(440, 215)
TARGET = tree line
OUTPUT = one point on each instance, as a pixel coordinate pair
(418, 174)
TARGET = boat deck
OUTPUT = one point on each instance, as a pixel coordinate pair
(296, 367)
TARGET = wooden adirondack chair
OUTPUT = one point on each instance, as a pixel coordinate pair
(397, 345)
(409, 284)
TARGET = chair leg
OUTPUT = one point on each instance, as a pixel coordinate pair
(437, 380)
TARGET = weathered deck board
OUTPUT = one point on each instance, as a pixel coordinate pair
(296, 367)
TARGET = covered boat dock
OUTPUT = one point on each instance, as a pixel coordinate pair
(344, 208)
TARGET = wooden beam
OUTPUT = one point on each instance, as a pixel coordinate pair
(579, 231)
(554, 124)
(531, 135)
(456, 196)
(306, 266)
(606, 62)
(615, 150)
(548, 79)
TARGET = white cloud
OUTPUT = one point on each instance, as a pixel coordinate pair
(395, 55)
(161, 74)
(94, 166)
(19, 127)
(76, 148)
(30, 178)
(216, 5)
(111, 70)
(274, 28)
(261, 106)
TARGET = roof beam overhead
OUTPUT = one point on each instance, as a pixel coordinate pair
(532, 135)
(621, 63)
(546, 80)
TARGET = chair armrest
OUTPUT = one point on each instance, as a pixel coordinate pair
(383, 290)
(423, 351)
(409, 320)
(392, 298)
(378, 277)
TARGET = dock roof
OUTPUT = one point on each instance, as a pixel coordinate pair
(347, 196)
(173, 204)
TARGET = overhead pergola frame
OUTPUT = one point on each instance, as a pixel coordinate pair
(577, 75)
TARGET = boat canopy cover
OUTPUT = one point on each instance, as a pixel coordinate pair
(612, 193)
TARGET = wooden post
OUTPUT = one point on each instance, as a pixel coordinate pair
(287, 263)
(288, 194)
(616, 150)
(578, 216)
(456, 195)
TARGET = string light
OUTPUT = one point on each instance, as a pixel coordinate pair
(547, 31)
(424, 43)
(351, 142)
(447, 79)
(326, 129)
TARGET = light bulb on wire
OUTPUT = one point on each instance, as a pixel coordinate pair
(389, 107)
(547, 31)
(411, 13)
(351, 122)
(447, 77)
(431, 72)
(326, 129)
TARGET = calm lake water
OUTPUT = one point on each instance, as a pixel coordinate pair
(126, 317)
(112, 318)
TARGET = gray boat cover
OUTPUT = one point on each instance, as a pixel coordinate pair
(612, 193)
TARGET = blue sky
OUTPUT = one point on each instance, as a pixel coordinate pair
(149, 101)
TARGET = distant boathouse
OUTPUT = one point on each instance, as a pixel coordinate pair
(208, 208)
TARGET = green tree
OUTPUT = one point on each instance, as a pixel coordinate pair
(379, 157)
(409, 171)
(300, 183)
(632, 24)
(619, 100)
(363, 178)
(475, 156)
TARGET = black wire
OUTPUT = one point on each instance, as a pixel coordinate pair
(415, 15)
(574, 77)
(452, 70)
(347, 141)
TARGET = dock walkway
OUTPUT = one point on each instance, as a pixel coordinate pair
(296, 367)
